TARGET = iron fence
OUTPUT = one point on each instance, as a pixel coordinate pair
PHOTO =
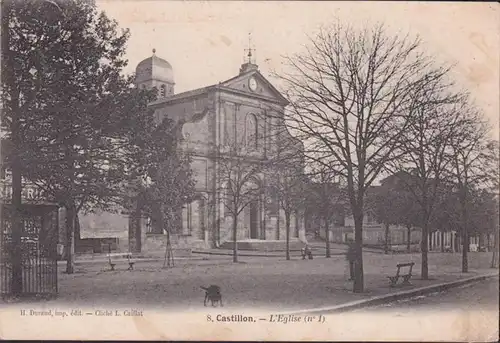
(37, 252)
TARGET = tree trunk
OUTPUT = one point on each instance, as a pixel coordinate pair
(78, 235)
(442, 240)
(386, 239)
(408, 238)
(424, 247)
(494, 256)
(278, 226)
(327, 237)
(287, 228)
(358, 286)
(465, 239)
(169, 255)
(135, 231)
(70, 238)
(15, 215)
(17, 231)
(138, 234)
(465, 250)
(235, 243)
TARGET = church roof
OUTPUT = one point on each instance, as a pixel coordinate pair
(156, 68)
(156, 61)
(225, 85)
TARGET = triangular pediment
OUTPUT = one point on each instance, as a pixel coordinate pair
(254, 83)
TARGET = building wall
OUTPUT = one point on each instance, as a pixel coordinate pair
(228, 121)
(218, 117)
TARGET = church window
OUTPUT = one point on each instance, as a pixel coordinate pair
(229, 123)
(227, 201)
(251, 131)
(163, 91)
(202, 218)
(187, 220)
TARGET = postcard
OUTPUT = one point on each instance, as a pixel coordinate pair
(249, 170)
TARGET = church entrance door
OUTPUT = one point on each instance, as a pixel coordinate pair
(254, 219)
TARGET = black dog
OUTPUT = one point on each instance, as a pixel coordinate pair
(212, 293)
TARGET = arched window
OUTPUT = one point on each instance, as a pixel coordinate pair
(251, 131)
(187, 219)
(163, 91)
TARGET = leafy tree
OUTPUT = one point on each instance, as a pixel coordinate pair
(408, 214)
(444, 218)
(326, 198)
(382, 201)
(393, 204)
(483, 213)
(70, 112)
(163, 179)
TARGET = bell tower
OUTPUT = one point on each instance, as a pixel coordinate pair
(155, 72)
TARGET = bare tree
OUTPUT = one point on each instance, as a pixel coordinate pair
(327, 197)
(423, 161)
(240, 183)
(493, 170)
(350, 92)
(286, 184)
(469, 155)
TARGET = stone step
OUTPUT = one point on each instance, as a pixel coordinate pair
(256, 245)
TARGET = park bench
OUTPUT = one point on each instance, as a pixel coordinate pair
(306, 251)
(116, 258)
(399, 274)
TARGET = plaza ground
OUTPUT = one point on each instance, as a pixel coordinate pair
(267, 283)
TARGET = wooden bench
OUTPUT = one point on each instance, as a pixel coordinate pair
(406, 276)
(115, 258)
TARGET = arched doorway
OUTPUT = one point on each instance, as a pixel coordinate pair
(254, 219)
(253, 210)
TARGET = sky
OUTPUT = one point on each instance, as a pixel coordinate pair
(205, 41)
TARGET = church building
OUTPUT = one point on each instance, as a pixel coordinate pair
(246, 108)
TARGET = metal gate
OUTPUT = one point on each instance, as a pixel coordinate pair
(38, 251)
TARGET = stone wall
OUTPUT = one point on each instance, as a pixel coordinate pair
(155, 245)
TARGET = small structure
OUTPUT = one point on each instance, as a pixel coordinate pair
(28, 259)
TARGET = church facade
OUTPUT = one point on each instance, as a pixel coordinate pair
(246, 110)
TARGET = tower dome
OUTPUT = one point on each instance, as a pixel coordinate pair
(155, 72)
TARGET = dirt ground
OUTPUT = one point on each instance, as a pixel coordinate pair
(255, 282)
